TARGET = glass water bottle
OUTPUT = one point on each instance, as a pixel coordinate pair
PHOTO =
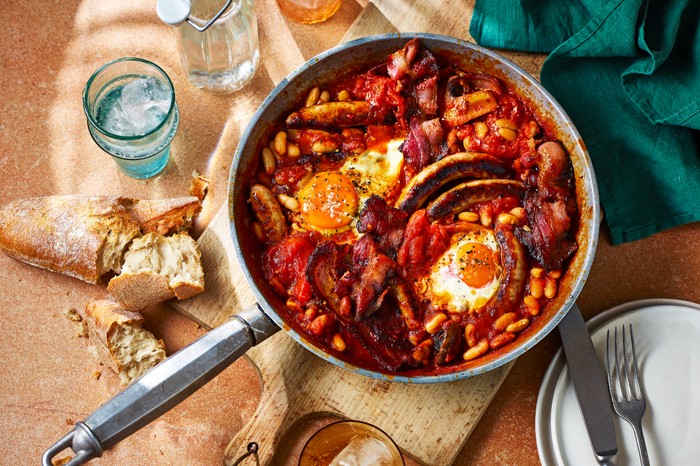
(218, 44)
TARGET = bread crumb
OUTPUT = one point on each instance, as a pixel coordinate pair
(199, 185)
(61, 461)
(72, 314)
(96, 375)
(75, 317)
(92, 349)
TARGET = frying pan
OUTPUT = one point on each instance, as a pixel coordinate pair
(187, 370)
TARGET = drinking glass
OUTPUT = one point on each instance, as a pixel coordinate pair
(350, 442)
(309, 11)
(132, 114)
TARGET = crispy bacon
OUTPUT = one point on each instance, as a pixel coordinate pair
(548, 241)
(412, 61)
(425, 143)
(426, 96)
(384, 222)
(372, 269)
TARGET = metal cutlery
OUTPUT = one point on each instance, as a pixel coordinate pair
(625, 387)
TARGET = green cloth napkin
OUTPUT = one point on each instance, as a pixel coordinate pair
(628, 74)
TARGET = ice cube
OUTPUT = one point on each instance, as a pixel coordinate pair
(146, 102)
(364, 450)
(117, 121)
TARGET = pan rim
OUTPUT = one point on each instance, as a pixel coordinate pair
(587, 177)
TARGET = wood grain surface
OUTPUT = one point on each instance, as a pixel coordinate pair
(431, 422)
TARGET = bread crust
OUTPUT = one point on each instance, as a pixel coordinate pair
(157, 268)
(66, 234)
(106, 317)
(137, 291)
(165, 216)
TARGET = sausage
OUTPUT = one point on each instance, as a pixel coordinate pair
(453, 167)
(269, 213)
(514, 264)
(465, 195)
(334, 115)
(555, 170)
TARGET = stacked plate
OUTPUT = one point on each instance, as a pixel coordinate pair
(667, 339)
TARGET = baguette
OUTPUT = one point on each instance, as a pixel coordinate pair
(125, 346)
(86, 236)
(157, 268)
(79, 236)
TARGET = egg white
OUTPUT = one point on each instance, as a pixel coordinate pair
(374, 171)
(445, 287)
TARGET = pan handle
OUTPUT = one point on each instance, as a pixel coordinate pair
(164, 386)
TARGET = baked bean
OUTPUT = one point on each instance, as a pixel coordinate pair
(506, 123)
(550, 288)
(501, 339)
(344, 96)
(434, 324)
(519, 213)
(320, 323)
(293, 150)
(476, 350)
(289, 202)
(312, 97)
(533, 305)
(280, 143)
(518, 326)
(486, 219)
(537, 287)
(504, 321)
(480, 129)
(269, 161)
(537, 272)
(507, 218)
(324, 97)
(507, 134)
(471, 217)
(338, 343)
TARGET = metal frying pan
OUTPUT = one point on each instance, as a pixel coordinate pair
(190, 368)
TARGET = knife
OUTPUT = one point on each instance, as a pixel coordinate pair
(590, 385)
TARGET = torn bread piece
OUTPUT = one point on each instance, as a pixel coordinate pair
(199, 185)
(157, 268)
(122, 343)
(86, 236)
(79, 236)
(165, 216)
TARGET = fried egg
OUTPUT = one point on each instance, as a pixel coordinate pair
(467, 275)
(330, 202)
(375, 171)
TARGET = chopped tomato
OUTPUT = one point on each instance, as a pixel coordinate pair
(423, 243)
(286, 262)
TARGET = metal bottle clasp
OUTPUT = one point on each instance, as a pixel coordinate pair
(176, 12)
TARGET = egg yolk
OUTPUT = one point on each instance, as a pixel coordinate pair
(328, 201)
(476, 264)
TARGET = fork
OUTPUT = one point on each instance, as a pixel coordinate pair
(626, 389)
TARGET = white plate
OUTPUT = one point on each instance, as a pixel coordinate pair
(667, 339)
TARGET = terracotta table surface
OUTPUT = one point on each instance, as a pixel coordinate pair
(48, 377)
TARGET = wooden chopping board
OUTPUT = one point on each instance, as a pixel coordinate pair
(431, 422)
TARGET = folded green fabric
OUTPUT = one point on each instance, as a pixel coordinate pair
(628, 74)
